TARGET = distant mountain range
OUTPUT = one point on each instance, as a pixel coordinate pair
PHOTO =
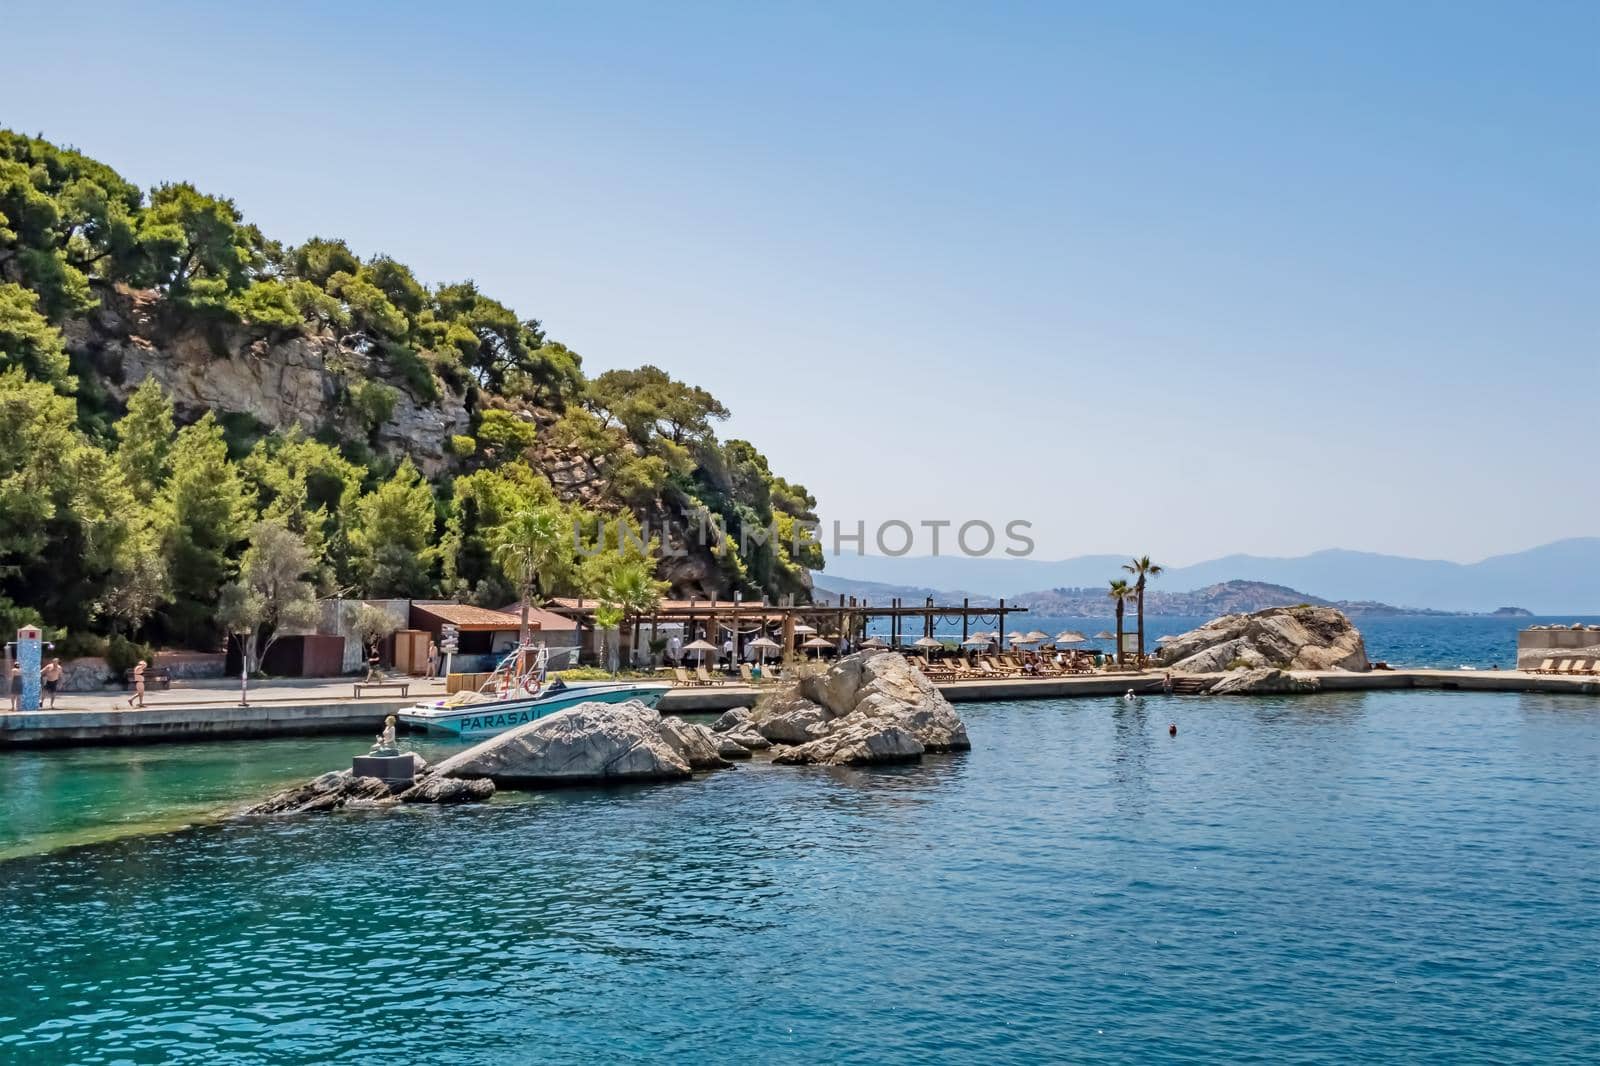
(1226, 597)
(1558, 578)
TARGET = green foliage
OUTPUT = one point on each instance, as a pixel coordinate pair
(144, 440)
(505, 432)
(311, 490)
(198, 248)
(392, 542)
(28, 341)
(462, 446)
(272, 592)
(203, 518)
(373, 402)
(123, 654)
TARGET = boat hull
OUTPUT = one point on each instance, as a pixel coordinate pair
(497, 716)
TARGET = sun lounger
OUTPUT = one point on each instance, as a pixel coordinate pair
(1546, 667)
(705, 678)
(1564, 666)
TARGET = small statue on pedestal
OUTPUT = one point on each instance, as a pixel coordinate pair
(385, 742)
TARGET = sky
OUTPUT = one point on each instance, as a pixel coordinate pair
(1161, 277)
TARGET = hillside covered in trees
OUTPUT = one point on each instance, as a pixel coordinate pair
(192, 414)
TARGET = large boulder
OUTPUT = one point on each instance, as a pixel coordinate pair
(1281, 638)
(858, 742)
(695, 744)
(866, 708)
(436, 789)
(588, 743)
(1262, 682)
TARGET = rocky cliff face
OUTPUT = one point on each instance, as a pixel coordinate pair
(294, 380)
(1285, 638)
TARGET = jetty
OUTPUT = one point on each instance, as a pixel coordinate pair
(212, 713)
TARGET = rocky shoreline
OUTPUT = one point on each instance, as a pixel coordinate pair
(866, 709)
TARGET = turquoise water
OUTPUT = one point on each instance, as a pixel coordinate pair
(1406, 876)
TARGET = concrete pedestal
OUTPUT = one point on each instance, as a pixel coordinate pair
(392, 769)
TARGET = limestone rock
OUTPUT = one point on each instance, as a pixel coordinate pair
(695, 744)
(588, 743)
(1284, 638)
(436, 789)
(859, 742)
(731, 718)
(335, 790)
(746, 737)
(867, 707)
(1262, 682)
(786, 717)
(728, 748)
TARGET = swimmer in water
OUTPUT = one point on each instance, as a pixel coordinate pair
(1172, 730)
(1128, 695)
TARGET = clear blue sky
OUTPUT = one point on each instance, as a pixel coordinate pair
(1205, 278)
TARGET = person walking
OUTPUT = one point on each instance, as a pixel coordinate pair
(138, 685)
(433, 660)
(51, 676)
(15, 686)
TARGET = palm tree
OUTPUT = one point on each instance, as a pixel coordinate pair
(1120, 591)
(1141, 568)
(525, 544)
(632, 587)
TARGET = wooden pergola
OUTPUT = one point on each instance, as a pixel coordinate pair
(848, 617)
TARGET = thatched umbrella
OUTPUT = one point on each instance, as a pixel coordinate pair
(702, 647)
(762, 646)
(927, 644)
(819, 644)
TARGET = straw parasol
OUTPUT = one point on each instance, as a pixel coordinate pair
(1103, 635)
(819, 644)
(1017, 637)
(977, 640)
(702, 647)
(1035, 636)
(873, 642)
(762, 646)
(927, 644)
(802, 629)
(1070, 636)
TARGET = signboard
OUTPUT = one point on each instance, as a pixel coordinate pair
(1130, 643)
(29, 653)
(449, 639)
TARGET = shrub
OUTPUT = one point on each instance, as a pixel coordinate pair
(123, 654)
(462, 446)
(504, 431)
(373, 401)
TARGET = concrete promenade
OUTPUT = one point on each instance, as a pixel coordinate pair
(210, 710)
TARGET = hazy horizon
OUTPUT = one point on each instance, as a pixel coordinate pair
(1195, 281)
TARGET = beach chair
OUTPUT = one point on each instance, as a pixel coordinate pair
(1564, 666)
(1585, 667)
(682, 676)
(705, 678)
(1546, 667)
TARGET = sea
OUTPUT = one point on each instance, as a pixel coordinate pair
(1479, 642)
(1408, 876)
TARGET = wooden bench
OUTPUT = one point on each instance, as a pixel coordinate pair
(154, 677)
(403, 686)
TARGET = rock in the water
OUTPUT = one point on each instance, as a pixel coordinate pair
(732, 718)
(1262, 682)
(747, 737)
(868, 707)
(729, 748)
(1283, 638)
(332, 791)
(695, 744)
(588, 743)
(786, 717)
(436, 789)
(859, 742)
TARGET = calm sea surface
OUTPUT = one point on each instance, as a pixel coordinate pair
(1442, 641)
(1387, 876)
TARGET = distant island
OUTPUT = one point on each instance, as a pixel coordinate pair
(1223, 597)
